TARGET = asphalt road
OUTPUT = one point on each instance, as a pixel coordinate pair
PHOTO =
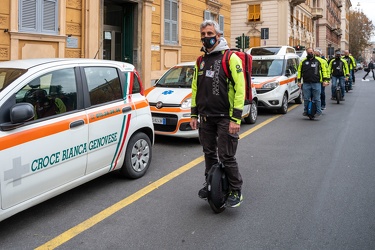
(307, 185)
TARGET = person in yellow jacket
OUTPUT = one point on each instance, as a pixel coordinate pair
(352, 64)
(339, 70)
(313, 71)
(318, 53)
(218, 103)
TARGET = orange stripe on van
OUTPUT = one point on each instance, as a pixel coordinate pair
(141, 104)
(261, 84)
(37, 133)
(165, 109)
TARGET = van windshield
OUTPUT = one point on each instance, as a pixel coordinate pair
(265, 51)
(7, 76)
(267, 67)
(177, 77)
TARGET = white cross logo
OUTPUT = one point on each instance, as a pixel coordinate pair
(16, 172)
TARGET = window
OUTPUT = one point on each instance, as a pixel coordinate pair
(50, 94)
(136, 85)
(38, 16)
(103, 84)
(170, 21)
(291, 66)
(254, 13)
(208, 15)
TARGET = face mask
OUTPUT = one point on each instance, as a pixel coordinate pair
(209, 42)
(310, 55)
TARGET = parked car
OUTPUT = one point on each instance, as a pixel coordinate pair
(359, 66)
(274, 75)
(64, 122)
(170, 102)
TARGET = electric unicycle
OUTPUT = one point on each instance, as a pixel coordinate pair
(311, 110)
(218, 188)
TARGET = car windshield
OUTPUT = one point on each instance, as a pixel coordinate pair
(177, 77)
(268, 67)
(7, 76)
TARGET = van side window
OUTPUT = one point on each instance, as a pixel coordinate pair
(292, 66)
(104, 84)
(50, 94)
(136, 85)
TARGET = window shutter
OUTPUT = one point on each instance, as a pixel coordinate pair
(27, 15)
(174, 22)
(49, 16)
(207, 15)
(167, 26)
(221, 23)
(171, 21)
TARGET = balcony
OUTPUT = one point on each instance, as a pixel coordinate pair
(316, 13)
(297, 2)
(338, 32)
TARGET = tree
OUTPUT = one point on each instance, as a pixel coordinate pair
(361, 29)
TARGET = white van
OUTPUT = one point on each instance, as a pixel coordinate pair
(274, 76)
(64, 122)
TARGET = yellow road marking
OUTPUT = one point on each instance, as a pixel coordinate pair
(90, 222)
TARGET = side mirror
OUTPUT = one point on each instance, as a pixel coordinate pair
(19, 114)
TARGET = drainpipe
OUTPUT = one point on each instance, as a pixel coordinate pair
(83, 29)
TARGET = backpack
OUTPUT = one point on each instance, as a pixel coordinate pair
(247, 62)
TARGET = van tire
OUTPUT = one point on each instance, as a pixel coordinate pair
(138, 156)
(252, 118)
(284, 105)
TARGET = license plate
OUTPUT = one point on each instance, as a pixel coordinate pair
(158, 120)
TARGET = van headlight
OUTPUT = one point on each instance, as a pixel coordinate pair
(186, 104)
(271, 85)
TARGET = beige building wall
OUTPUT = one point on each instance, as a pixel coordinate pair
(81, 21)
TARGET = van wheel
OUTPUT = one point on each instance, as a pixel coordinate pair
(138, 156)
(252, 118)
(298, 100)
(284, 105)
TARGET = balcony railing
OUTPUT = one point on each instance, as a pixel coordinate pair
(317, 13)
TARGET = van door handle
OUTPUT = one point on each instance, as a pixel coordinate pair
(76, 124)
(126, 109)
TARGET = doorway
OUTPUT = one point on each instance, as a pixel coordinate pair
(118, 31)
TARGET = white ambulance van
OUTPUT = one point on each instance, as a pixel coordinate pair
(170, 102)
(64, 122)
(274, 75)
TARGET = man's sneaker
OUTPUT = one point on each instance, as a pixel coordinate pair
(317, 115)
(203, 193)
(234, 199)
(342, 99)
(304, 114)
(323, 107)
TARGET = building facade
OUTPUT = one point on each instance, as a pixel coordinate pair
(319, 24)
(151, 34)
(274, 22)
